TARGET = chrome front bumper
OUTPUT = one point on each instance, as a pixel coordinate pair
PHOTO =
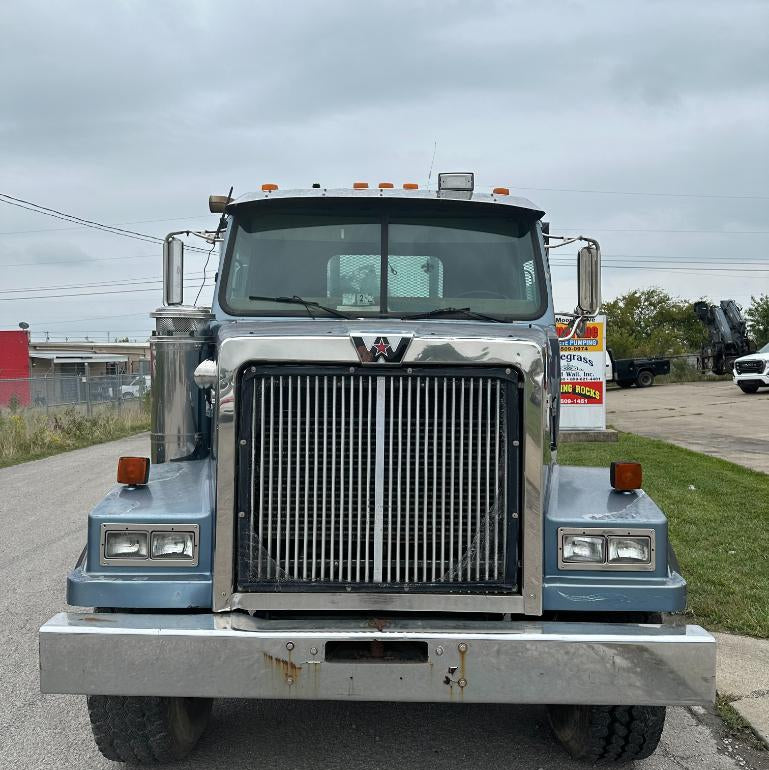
(237, 656)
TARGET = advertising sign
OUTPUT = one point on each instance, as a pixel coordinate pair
(583, 376)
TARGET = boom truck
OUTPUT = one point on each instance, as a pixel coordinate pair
(354, 491)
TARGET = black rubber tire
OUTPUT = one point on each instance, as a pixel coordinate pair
(625, 383)
(147, 730)
(644, 379)
(608, 734)
(748, 387)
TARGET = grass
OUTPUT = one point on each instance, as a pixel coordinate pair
(28, 435)
(735, 724)
(719, 526)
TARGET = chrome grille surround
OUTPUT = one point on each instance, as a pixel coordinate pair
(520, 347)
(371, 481)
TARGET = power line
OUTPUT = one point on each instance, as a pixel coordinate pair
(118, 282)
(56, 214)
(87, 294)
(638, 192)
(656, 268)
(89, 260)
(649, 230)
(92, 318)
(133, 222)
(70, 218)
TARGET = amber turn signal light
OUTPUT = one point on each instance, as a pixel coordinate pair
(625, 476)
(134, 471)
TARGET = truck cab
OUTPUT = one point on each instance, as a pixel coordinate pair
(354, 491)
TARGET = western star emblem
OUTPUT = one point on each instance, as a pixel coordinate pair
(377, 349)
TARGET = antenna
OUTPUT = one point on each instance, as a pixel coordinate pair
(432, 163)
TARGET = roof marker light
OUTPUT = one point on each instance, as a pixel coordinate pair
(410, 186)
(269, 187)
(501, 191)
(386, 185)
(360, 186)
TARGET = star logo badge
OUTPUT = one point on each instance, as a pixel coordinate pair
(378, 349)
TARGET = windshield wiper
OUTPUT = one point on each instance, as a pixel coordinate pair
(465, 311)
(308, 304)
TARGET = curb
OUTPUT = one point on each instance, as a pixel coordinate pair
(742, 673)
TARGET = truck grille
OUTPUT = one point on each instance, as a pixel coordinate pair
(377, 480)
(749, 367)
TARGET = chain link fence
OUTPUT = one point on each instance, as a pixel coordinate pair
(84, 392)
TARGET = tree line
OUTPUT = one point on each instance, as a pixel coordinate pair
(651, 322)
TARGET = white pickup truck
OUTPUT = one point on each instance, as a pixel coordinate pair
(752, 371)
(136, 388)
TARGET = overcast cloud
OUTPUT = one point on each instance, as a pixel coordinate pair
(131, 111)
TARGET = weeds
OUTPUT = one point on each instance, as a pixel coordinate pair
(736, 725)
(28, 435)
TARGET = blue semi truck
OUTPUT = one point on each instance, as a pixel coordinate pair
(354, 491)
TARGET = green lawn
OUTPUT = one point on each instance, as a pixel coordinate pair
(719, 526)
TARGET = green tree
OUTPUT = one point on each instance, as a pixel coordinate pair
(757, 316)
(651, 322)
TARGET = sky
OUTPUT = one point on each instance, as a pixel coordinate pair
(643, 124)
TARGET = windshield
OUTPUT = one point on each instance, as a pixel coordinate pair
(765, 349)
(436, 257)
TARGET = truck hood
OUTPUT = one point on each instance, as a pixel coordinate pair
(753, 357)
(331, 341)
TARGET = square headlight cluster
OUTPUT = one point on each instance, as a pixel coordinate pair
(155, 545)
(606, 549)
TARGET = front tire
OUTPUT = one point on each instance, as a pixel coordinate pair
(147, 730)
(608, 734)
(748, 387)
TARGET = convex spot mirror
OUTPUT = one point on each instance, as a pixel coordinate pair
(173, 271)
(589, 279)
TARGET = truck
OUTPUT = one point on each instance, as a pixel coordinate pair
(728, 337)
(641, 372)
(751, 372)
(137, 387)
(353, 490)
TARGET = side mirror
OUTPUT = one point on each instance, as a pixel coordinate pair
(173, 271)
(589, 279)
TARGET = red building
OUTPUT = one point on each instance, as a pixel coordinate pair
(14, 368)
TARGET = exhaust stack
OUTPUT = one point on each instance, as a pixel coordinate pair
(180, 427)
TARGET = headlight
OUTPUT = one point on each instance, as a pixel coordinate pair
(149, 545)
(584, 548)
(172, 545)
(629, 550)
(126, 545)
(599, 549)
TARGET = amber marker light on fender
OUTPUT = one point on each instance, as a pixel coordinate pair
(625, 476)
(134, 471)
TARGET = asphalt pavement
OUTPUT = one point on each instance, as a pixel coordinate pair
(43, 507)
(714, 417)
